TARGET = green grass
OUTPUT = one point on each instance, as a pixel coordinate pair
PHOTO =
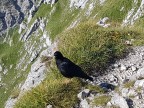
(89, 46)
(93, 47)
(129, 84)
(54, 91)
(101, 100)
(9, 55)
(111, 9)
(95, 88)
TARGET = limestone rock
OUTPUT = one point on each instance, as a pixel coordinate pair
(83, 94)
(84, 104)
(139, 83)
(123, 67)
(119, 101)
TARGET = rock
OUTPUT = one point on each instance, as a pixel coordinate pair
(130, 103)
(107, 86)
(116, 65)
(84, 104)
(124, 92)
(119, 101)
(123, 67)
(109, 104)
(131, 92)
(35, 76)
(10, 103)
(49, 106)
(85, 93)
(133, 68)
(139, 83)
(78, 3)
(140, 72)
(102, 22)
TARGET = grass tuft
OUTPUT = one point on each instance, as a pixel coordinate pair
(101, 100)
(54, 91)
(93, 47)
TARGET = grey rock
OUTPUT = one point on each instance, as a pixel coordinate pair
(119, 101)
(102, 22)
(123, 67)
(49, 106)
(140, 72)
(83, 94)
(139, 83)
(84, 104)
(125, 92)
(10, 103)
(133, 68)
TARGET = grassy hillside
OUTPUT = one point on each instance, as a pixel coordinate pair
(90, 46)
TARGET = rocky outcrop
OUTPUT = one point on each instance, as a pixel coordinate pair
(127, 75)
(13, 12)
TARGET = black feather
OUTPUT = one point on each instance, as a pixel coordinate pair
(68, 68)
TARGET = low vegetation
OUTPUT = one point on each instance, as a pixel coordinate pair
(101, 100)
(93, 47)
(89, 46)
(55, 90)
(129, 84)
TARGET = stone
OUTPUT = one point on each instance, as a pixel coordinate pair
(123, 67)
(10, 103)
(49, 106)
(130, 103)
(119, 101)
(140, 72)
(116, 65)
(109, 104)
(85, 93)
(124, 92)
(139, 83)
(107, 86)
(84, 104)
(133, 68)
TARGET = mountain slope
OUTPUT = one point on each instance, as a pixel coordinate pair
(44, 21)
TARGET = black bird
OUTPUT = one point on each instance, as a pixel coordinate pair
(68, 68)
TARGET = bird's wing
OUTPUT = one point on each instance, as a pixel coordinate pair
(72, 68)
(66, 68)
